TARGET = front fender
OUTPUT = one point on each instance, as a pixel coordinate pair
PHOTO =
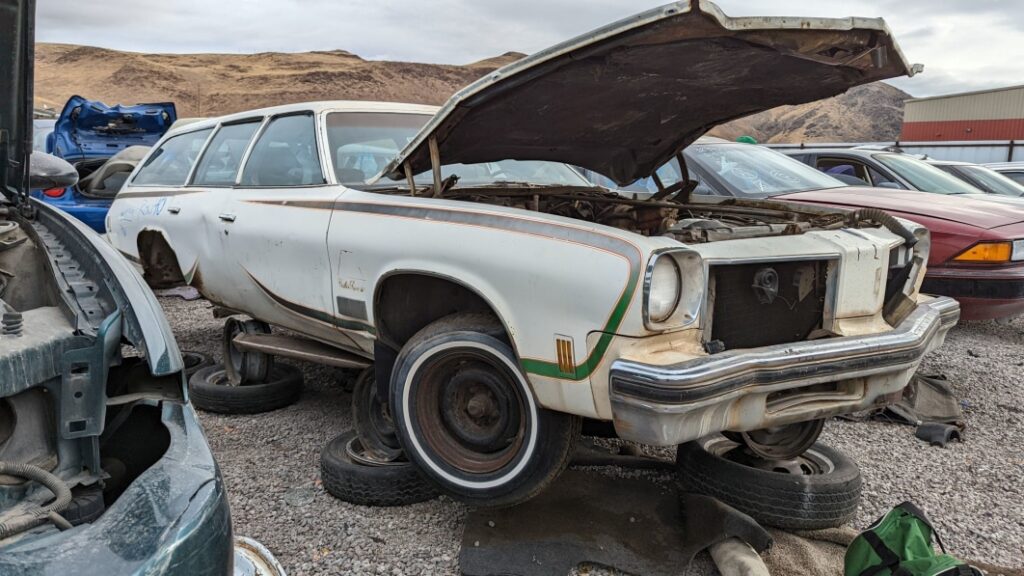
(144, 323)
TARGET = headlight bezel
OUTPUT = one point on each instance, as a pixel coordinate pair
(691, 287)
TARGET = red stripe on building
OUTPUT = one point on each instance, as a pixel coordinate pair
(1010, 129)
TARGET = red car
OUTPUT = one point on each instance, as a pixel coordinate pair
(977, 242)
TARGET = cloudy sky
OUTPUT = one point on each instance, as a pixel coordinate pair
(964, 44)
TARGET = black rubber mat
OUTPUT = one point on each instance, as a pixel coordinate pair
(634, 525)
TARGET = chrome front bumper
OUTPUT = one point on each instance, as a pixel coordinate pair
(773, 385)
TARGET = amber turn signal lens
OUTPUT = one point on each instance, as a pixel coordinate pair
(987, 252)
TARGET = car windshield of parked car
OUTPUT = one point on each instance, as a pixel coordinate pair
(924, 176)
(746, 170)
(993, 181)
(362, 143)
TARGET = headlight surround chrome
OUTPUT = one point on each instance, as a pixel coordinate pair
(673, 289)
(665, 288)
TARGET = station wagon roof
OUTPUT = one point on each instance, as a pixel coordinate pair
(315, 107)
(624, 99)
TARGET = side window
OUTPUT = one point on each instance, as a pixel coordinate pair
(1015, 176)
(170, 164)
(285, 154)
(219, 164)
(842, 167)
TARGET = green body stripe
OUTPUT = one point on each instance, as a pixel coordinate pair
(584, 370)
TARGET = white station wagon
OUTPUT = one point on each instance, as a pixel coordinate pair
(503, 298)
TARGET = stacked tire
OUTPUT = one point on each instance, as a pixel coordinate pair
(250, 382)
(820, 489)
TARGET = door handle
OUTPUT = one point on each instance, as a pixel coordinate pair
(227, 217)
(174, 209)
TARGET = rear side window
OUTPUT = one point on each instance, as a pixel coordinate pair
(843, 167)
(170, 164)
(1015, 176)
(219, 164)
(285, 154)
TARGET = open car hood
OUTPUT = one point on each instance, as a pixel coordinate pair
(91, 129)
(623, 99)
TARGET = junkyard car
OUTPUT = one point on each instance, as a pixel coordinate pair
(103, 143)
(103, 465)
(977, 244)
(1012, 170)
(981, 177)
(502, 297)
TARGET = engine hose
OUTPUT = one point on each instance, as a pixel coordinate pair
(887, 220)
(43, 513)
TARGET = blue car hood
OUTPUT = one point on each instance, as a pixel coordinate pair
(90, 129)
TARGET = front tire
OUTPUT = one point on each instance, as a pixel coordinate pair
(466, 416)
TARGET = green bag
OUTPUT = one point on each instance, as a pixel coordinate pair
(900, 544)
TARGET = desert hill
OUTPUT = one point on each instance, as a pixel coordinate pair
(215, 84)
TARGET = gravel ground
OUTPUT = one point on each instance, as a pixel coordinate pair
(973, 491)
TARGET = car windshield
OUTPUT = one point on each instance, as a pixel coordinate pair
(362, 143)
(925, 177)
(993, 181)
(746, 170)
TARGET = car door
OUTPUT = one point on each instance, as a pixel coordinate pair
(272, 227)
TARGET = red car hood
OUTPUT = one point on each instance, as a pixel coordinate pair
(969, 209)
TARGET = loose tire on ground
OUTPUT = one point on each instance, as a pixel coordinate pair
(466, 416)
(195, 361)
(371, 418)
(773, 497)
(393, 484)
(245, 366)
(210, 390)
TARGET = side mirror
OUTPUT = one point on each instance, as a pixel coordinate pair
(890, 185)
(46, 171)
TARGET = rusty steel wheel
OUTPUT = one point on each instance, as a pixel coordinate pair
(373, 423)
(245, 366)
(471, 410)
(465, 414)
(780, 442)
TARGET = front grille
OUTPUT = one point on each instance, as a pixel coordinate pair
(747, 312)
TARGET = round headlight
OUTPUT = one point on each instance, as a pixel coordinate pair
(665, 288)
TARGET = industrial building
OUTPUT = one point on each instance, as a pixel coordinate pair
(996, 114)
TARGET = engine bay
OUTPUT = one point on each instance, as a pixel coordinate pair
(699, 219)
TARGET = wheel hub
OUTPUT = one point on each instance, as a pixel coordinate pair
(470, 411)
(476, 409)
